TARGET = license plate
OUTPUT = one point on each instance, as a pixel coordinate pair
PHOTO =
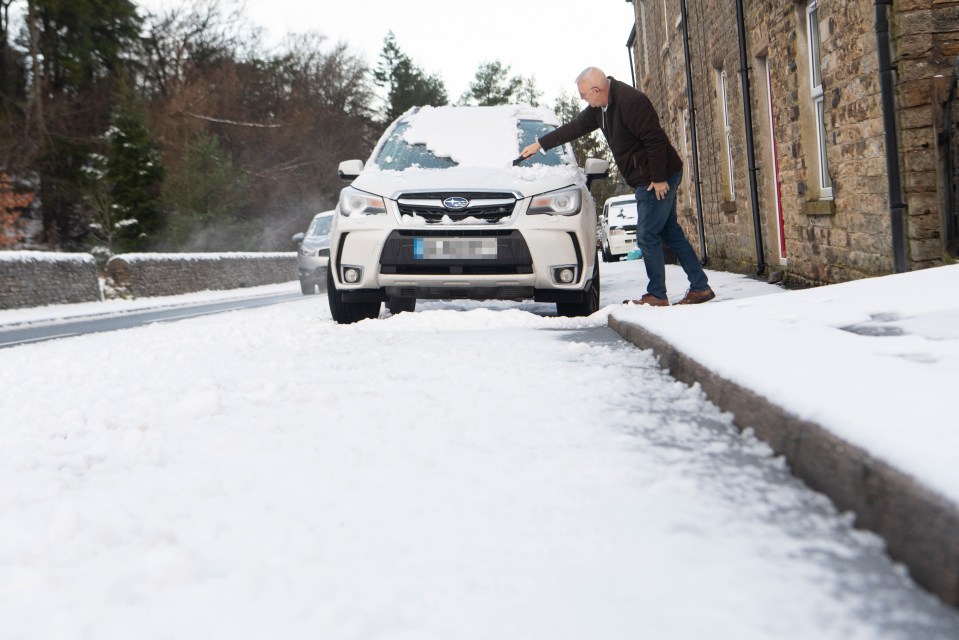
(454, 248)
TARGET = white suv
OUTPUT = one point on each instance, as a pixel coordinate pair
(617, 226)
(443, 211)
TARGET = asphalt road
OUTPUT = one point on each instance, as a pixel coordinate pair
(24, 334)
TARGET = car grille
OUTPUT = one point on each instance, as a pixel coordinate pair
(488, 207)
(513, 256)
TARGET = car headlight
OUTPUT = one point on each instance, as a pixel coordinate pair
(359, 202)
(307, 251)
(564, 202)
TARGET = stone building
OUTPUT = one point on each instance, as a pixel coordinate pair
(824, 133)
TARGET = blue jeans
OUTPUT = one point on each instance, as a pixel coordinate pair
(656, 225)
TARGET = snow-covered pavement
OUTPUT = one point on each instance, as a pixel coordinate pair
(466, 471)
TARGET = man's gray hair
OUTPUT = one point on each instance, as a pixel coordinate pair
(592, 73)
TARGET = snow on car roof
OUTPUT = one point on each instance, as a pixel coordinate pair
(473, 136)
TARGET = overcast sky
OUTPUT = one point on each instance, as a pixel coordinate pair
(549, 39)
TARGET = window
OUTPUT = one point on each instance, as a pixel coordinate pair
(321, 226)
(727, 133)
(398, 154)
(815, 81)
(530, 131)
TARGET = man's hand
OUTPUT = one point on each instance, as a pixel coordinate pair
(661, 189)
(530, 150)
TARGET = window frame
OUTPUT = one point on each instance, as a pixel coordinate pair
(727, 131)
(814, 44)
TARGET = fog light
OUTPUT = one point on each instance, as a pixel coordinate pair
(565, 275)
(351, 275)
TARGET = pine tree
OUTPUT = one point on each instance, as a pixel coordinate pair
(79, 49)
(203, 196)
(405, 83)
(528, 92)
(492, 86)
(9, 60)
(135, 174)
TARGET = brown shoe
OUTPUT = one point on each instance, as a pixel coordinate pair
(650, 300)
(696, 297)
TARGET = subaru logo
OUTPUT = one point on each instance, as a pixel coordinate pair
(456, 202)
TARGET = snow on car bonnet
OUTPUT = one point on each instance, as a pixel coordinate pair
(473, 136)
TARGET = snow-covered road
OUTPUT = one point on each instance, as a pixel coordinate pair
(460, 472)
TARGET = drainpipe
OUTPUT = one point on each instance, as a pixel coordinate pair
(629, 48)
(946, 138)
(897, 208)
(693, 136)
(750, 149)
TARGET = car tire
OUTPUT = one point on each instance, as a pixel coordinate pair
(397, 305)
(605, 254)
(590, 303)
(308, 287)
(348, 312)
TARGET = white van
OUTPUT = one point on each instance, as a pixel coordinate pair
(618, 227)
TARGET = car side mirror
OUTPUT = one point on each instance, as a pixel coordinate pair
(298, 237)
(350, 170)
(596, 169)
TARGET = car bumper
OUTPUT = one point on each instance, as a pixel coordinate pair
(530, 251)
(621, 245)
(312, 267)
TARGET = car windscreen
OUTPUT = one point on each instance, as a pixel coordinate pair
(621, 214)
(321, 226)
(397, 154)
(530, 132)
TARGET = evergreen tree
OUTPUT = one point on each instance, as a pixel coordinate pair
(528, 92)
(427, 90)
(15, 141)
(79, 49)
(405, 83)
(9, 60)
(83, 41)
(203, 195)
(135, 174)
(492, 86)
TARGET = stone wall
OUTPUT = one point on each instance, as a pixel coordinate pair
(826, 239)
(164, 274)
(926, 39)
(37, 278)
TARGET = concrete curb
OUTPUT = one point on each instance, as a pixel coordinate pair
(920, 527)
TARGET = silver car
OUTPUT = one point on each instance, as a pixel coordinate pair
(313, 254)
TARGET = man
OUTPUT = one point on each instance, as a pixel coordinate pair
(649, 164)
